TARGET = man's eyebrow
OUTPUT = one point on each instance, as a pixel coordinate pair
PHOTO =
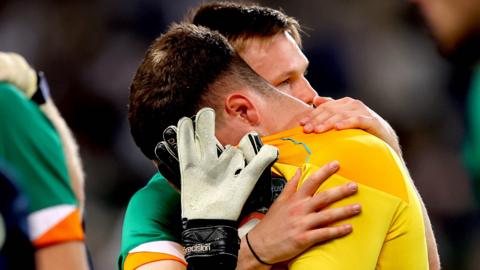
(291, 72)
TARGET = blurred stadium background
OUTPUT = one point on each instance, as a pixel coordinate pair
(373, 50)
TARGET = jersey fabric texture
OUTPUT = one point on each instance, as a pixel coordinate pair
(30, 144)
(390, 232)
(152, 226)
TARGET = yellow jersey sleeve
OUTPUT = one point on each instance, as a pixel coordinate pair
(389, 233)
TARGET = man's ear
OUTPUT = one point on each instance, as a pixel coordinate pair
(241, 107)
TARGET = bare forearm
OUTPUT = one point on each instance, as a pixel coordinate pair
(69, 255)
(246, 260)
(433, 257)
(392, 140)
(70, 150)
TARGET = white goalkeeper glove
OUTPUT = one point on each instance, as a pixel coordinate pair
(214, 190)
(15, 70)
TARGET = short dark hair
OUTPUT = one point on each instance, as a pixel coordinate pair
(239, 22)
(187, 68)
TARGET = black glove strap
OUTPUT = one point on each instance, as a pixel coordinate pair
(210, 244)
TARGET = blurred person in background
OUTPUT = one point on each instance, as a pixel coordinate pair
(272, 49)
(455, 26)
(37, 143)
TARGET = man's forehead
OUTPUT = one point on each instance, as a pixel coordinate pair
(274, 56)
(262, 45)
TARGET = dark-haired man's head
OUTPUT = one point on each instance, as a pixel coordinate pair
(267, 39)
(240, 22)
(191, 67)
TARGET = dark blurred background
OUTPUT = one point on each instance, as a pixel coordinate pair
(374, 50)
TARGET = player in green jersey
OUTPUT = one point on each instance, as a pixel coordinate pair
(31, 144)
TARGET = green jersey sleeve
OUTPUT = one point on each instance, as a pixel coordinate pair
(152, 224)
(31, 145)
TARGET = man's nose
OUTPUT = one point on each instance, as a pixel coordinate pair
(307, 93)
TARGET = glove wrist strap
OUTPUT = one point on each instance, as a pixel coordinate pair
(210, 242)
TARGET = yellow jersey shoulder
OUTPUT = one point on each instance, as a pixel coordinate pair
(363, 157)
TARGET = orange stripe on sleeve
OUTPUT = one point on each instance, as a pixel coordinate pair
(137, 259)
(69, 229)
